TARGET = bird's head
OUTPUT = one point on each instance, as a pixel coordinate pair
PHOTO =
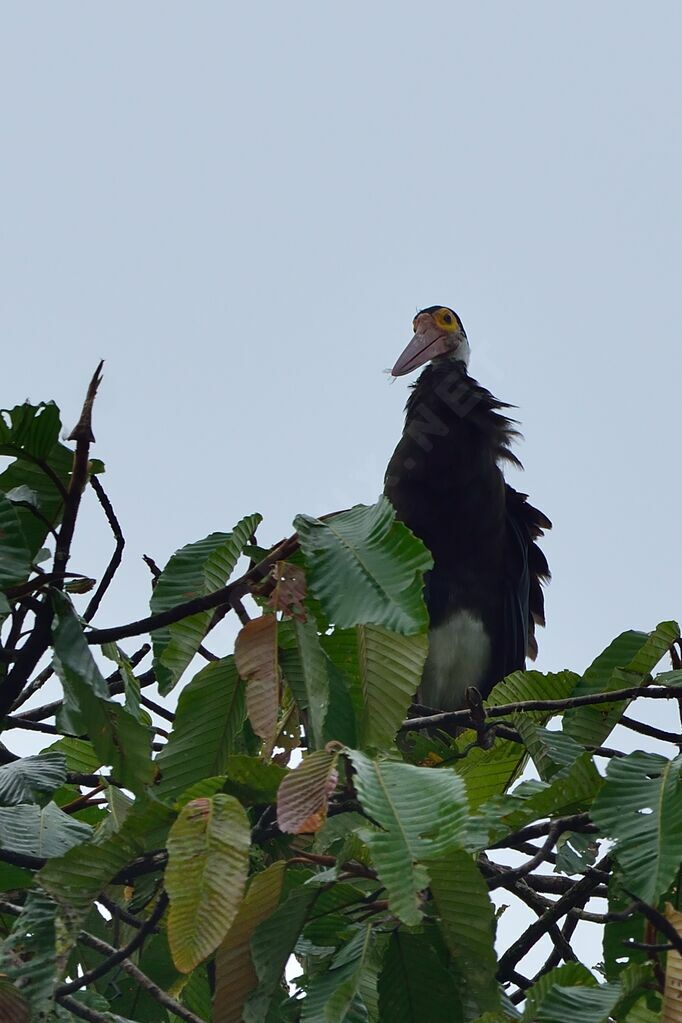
(438, 331)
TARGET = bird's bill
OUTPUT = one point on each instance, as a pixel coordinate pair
(424, 346)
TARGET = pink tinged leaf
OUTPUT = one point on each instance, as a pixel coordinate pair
(255, 655)
(289, 590)
(303, 797)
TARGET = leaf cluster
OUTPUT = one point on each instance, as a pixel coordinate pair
(272, 832)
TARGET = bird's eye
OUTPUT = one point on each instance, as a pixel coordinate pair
(447, 318)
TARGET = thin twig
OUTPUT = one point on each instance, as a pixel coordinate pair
(512, 873)
(117, 555)
(114, 955)
(224, 595)
(83, 1011)
(536, 930)
(674, 738)
(167, 715)
(551, 706)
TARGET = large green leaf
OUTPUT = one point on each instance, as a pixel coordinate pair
(208, 858)
(193, 571)
(640, 807)
(40, 830)
(15, 557)
(76, 878)
(79, 754)
(625, 662)
(272, 944)
(366, 568)
(116, 735)
(414, 982)
(28, 955)
(568, 974)
(467, 919)
(488, 773)
(208, 718)
(571, 790)
(314, 674)
(235, 973)
(422, 813)
(331, 994)
(22, 778)
(32, 437)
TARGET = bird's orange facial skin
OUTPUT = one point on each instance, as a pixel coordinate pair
(437, 331)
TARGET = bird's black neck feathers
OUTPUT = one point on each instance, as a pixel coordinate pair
(445, 396)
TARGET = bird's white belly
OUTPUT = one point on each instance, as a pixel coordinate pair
(459, 656)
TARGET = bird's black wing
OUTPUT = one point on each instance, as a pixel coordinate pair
(526, 570)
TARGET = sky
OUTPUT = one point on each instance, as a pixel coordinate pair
(241, 207)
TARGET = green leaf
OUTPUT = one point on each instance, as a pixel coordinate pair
(40, 831)
(571, 790)
(413, 977)
(331, 994)
(390, 670)
(32, 437)
(568, 974)
(117, 737)
(253, 780)
(22, 778)
(209, 716)
(550, 750)
(235, 973)
(625, 663)
(29, 429)
(490, 772)
(366, 568)
(271, 946)
(575, 853)
(193, 571)
(423, 813)
(579, 1004)
(75, 880)
(79, 754)
(314, 665)
(467, 919)
(640, 807)
(28, 956)
(208, 859)
(15, 557)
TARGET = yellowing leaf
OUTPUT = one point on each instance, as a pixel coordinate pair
(208, 858)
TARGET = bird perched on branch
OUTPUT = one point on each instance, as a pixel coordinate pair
(484, 593)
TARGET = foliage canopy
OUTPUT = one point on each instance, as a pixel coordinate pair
(161, 864)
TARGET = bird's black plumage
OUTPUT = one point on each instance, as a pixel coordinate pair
(445, 481)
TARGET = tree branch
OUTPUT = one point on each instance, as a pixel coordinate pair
(116, 557)
(114, 955)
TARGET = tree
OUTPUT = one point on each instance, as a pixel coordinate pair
(297, 810)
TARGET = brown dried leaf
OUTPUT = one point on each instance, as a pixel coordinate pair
(672, 997)
(13, 1008)
(235, 973)
(303, 795)
(256, 658)
(289, 590)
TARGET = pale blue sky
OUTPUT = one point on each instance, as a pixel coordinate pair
(241, 206)
(241, 209)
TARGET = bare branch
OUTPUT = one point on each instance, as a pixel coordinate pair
(116, 557)
(114, 955)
